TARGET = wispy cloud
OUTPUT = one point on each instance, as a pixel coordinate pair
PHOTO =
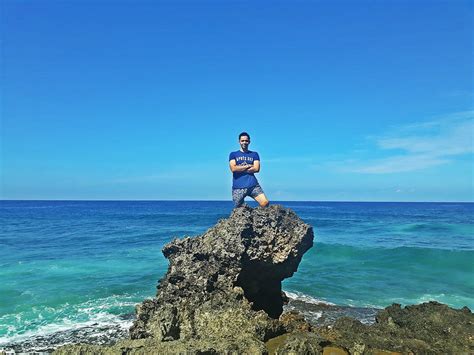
(396, 164)
(420, 145)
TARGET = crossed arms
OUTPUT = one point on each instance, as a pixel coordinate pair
(248, 168)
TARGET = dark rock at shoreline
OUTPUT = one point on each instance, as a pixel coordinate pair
(427, 328)
(323, 314)
(99, 335)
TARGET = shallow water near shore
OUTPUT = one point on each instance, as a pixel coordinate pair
(69, 267)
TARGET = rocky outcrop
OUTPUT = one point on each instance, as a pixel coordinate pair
(427, 328)
(222, 295)
(227, 282)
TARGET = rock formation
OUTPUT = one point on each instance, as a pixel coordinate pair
(427, 328)
(233, 271)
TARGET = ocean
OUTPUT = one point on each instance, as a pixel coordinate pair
(74, 270)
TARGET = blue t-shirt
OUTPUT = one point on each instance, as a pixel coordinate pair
(243, 180)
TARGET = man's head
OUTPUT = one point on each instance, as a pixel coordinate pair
(244, 140)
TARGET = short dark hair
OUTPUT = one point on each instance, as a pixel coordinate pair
(244, 134)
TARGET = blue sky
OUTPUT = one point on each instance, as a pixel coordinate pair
(344, 100)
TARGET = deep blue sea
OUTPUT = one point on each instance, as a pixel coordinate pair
(70, 264)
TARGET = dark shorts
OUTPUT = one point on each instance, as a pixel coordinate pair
(238, 195)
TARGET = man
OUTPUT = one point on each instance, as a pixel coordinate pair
(244, 164)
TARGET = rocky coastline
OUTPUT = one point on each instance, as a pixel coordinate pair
(222, 295)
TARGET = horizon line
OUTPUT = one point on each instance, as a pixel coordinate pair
(230, 201)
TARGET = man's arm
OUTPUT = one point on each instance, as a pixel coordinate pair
(238, 168)
(255, 168)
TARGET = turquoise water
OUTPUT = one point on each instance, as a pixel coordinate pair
(70, 264)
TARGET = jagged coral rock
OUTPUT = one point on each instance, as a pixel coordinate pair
(227, 282)
(427, 328)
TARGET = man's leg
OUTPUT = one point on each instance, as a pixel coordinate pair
(262, 200)
(259, 196)
(238, 196)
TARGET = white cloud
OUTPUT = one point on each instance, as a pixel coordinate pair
(398, 164)
(421, 145)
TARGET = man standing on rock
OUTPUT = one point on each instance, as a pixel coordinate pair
(244, 164)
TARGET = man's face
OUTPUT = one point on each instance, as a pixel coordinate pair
(244, 142)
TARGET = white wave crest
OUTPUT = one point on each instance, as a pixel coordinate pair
(92, 313)
(306, 298)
